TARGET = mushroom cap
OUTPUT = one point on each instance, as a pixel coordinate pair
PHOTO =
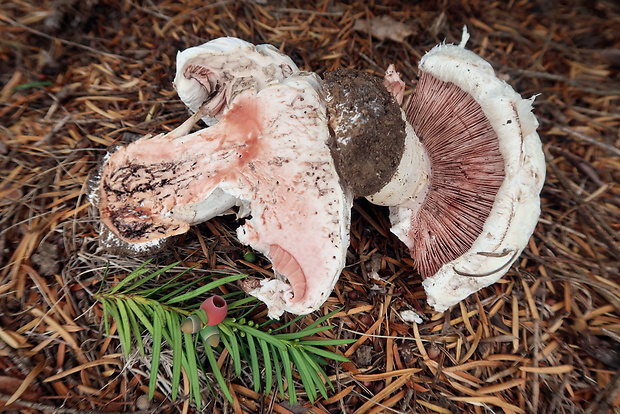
(268, 153)
(216, 71)
(513, 214)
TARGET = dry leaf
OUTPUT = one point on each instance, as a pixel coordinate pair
(384, 27)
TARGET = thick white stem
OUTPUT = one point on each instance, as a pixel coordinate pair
(409, 185)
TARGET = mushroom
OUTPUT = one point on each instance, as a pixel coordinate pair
(461, 168)
(217, 71)
(268, 154)
(465, 197)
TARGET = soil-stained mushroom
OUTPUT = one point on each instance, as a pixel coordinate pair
(268, 153)
(217, 71)
(466, 202)
(461, 169)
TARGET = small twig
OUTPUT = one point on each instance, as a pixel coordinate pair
(595, 112)
(59, 125)
(65, 410)
(371, 62)
(586, 211)
(303, 11)
(584, 166)
(192, 12)
(604, 400)
(536, 383)
(560, 78)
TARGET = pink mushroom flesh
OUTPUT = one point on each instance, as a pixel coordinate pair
(284, 263)
(269, 150)
(143, 183)
(467, 170)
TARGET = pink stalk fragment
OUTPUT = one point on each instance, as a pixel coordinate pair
(394, 84)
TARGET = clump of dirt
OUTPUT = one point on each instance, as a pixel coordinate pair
(367, 130)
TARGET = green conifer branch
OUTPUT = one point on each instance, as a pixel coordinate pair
(140, 303)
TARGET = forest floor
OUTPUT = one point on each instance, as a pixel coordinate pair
(77, 78)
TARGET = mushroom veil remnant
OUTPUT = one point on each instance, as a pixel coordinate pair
(215, 72)
(469, 212)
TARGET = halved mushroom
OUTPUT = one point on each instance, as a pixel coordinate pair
(466, 201)
(268, 153)
(217, 71)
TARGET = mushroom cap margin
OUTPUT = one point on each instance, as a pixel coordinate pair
(515, 213)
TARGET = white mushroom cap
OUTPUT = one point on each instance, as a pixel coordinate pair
(270, 154)
(220, 69)
(516, 208)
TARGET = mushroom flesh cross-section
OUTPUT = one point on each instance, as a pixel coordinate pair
(269, 154)
(461, 168)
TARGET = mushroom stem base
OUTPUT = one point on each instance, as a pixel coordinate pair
(409, 185)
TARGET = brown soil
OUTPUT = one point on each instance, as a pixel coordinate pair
(368, 132)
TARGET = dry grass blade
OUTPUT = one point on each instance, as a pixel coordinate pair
(27, 381)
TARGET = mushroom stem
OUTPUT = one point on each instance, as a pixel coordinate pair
(409, 184)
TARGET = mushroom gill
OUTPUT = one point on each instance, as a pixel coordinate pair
(465, 197)
(467, 170)
(474, 207)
